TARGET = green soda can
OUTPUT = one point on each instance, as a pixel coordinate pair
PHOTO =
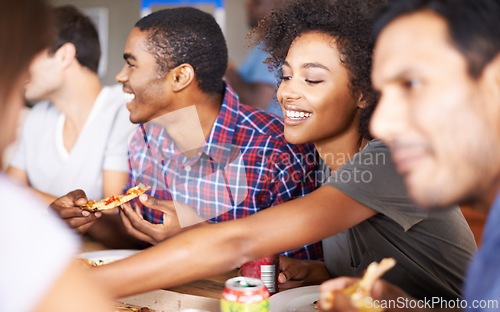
(244, 294)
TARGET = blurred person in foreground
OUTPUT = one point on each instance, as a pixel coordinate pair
(37, 270)
(437, 68)
(363, 209)
(253, 81)
(86, 127)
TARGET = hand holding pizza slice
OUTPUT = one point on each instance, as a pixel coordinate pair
(360, 292)
(115, 200)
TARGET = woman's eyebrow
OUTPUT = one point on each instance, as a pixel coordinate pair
(128, 56)
(315, 65)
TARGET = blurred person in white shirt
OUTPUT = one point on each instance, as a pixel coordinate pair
(37, 269)
(77, 137)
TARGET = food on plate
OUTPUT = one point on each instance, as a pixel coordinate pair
(316, 304)
(95, 263)
(115, 201)
(359, 293)
(128, 308)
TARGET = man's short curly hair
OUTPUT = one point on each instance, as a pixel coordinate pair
(187, 35)
(348, 21)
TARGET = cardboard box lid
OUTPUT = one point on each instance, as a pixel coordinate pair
(170, 301)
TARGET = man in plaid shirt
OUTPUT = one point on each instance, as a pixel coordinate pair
(223, 166)
(245, 165)
(206, 156)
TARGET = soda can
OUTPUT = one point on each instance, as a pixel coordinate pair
(244, 294)
(265, 269)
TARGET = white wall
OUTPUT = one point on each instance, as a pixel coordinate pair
(123, 14)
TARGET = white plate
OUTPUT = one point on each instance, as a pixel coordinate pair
(108, 255)
(299, 299)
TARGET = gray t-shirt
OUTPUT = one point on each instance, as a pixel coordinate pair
(432, 249)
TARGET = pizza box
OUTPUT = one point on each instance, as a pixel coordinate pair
(171, 301)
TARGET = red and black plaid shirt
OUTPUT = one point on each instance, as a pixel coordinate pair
(245, 166)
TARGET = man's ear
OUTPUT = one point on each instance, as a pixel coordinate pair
(182, 76)
(361, 102)
(490, 87)
(491, 75)
(66, 53)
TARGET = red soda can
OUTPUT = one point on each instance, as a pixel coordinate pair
(265, 269)
(244, 294)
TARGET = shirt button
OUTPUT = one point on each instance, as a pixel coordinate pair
(187, 168)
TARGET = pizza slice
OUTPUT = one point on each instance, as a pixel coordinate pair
(115, 200)
(360, 293)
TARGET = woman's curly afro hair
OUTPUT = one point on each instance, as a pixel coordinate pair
(348, 21)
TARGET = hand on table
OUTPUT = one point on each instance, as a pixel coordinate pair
(296, 273)
(155, 233)
(67, 208)
(381, 290)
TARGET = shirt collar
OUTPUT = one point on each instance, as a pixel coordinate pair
(219, 145)
(491, 225)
